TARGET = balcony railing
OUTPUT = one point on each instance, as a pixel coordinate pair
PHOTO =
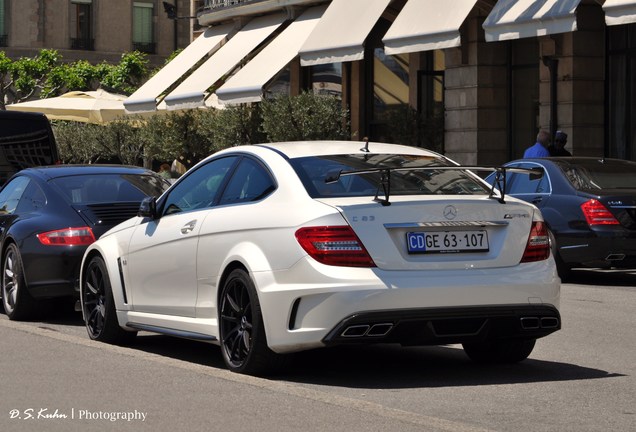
(87, 44)
(4, 40)
(216, 4)
(145, 47)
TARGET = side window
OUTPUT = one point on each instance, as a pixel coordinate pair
(250, 182)
(33, 199)
(526, 184)
(11, 194)
(199, 188)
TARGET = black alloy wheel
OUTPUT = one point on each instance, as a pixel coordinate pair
(17, 302)
(243, 341)
(98, 306)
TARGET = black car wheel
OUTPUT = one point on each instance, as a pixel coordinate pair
(18, 303)
(98, 306)
(500, 350)
(243, 340)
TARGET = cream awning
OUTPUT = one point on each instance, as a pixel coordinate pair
(619, 12)
(425, 25)
(247, 84)
(340, 34)
(515, 19)
(192, 91)
(145, 98)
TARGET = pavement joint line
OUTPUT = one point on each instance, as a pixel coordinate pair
(432, 424)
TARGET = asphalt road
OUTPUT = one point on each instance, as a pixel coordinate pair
(581, 378)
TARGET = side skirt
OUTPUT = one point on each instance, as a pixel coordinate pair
(171, 332)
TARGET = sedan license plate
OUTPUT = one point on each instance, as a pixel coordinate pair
(447, 242)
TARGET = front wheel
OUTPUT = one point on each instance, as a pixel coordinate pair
(500, 350)
(98, 306)
(243, 340)
(18, 303)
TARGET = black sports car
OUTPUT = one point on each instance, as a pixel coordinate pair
(49, 215)
(589, 205)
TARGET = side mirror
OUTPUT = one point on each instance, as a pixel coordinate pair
(148, 208)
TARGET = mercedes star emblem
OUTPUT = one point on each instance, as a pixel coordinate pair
(450, 212)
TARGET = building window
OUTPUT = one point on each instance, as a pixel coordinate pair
(82, 25)
(430, 100)
(280, 85)
(326, 79)
(523, 118)
(389, 105)
(143, 31)
(621, 94)
(3, 32)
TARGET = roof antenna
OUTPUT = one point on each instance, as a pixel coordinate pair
(366, 145)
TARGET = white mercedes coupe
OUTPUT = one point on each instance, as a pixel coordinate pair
(276, 248)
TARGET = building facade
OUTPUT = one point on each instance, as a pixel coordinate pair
(508, 69)
(95, 30)
(480, 78)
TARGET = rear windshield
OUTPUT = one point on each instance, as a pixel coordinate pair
(314, 170)
(599, 174)
(104, 188)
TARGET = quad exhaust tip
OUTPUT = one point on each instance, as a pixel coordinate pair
(367, 330)
(536, 323)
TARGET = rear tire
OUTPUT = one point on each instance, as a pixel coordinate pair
(98, 306)
(500, 350)
(16, 300)
(242, 332)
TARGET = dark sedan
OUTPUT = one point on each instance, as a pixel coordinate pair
(49, 215)
(589, 205)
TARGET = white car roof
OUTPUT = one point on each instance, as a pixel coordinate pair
(319, 148)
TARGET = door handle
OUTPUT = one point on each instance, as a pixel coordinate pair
(537, 200)
(187, 228)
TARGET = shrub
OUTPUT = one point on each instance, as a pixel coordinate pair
(304, 117)
(237, 125)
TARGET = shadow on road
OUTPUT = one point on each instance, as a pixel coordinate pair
(598, 277)
(384, 366)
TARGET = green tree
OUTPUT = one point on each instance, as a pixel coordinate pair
(25, 77)
(127, 75)
(46, 75)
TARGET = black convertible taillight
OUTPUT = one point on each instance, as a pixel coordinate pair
(538, 246)
(82, 236)
(334, 245)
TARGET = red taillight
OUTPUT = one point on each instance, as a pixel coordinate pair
(597, 214)
(334, 245)
(67, 237)
(538, 246)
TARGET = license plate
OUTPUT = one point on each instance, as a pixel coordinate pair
(447, 242)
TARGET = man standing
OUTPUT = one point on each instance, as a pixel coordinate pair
(540, 148)
(558, 149)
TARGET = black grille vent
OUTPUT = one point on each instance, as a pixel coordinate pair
(113, 213)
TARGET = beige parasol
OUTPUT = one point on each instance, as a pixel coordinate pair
(97, 106)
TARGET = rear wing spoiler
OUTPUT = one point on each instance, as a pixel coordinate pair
(499, 183)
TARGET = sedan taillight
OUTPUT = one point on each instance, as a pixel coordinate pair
(334, 245)
(538, 246)
(597, 214)
(67, 237)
